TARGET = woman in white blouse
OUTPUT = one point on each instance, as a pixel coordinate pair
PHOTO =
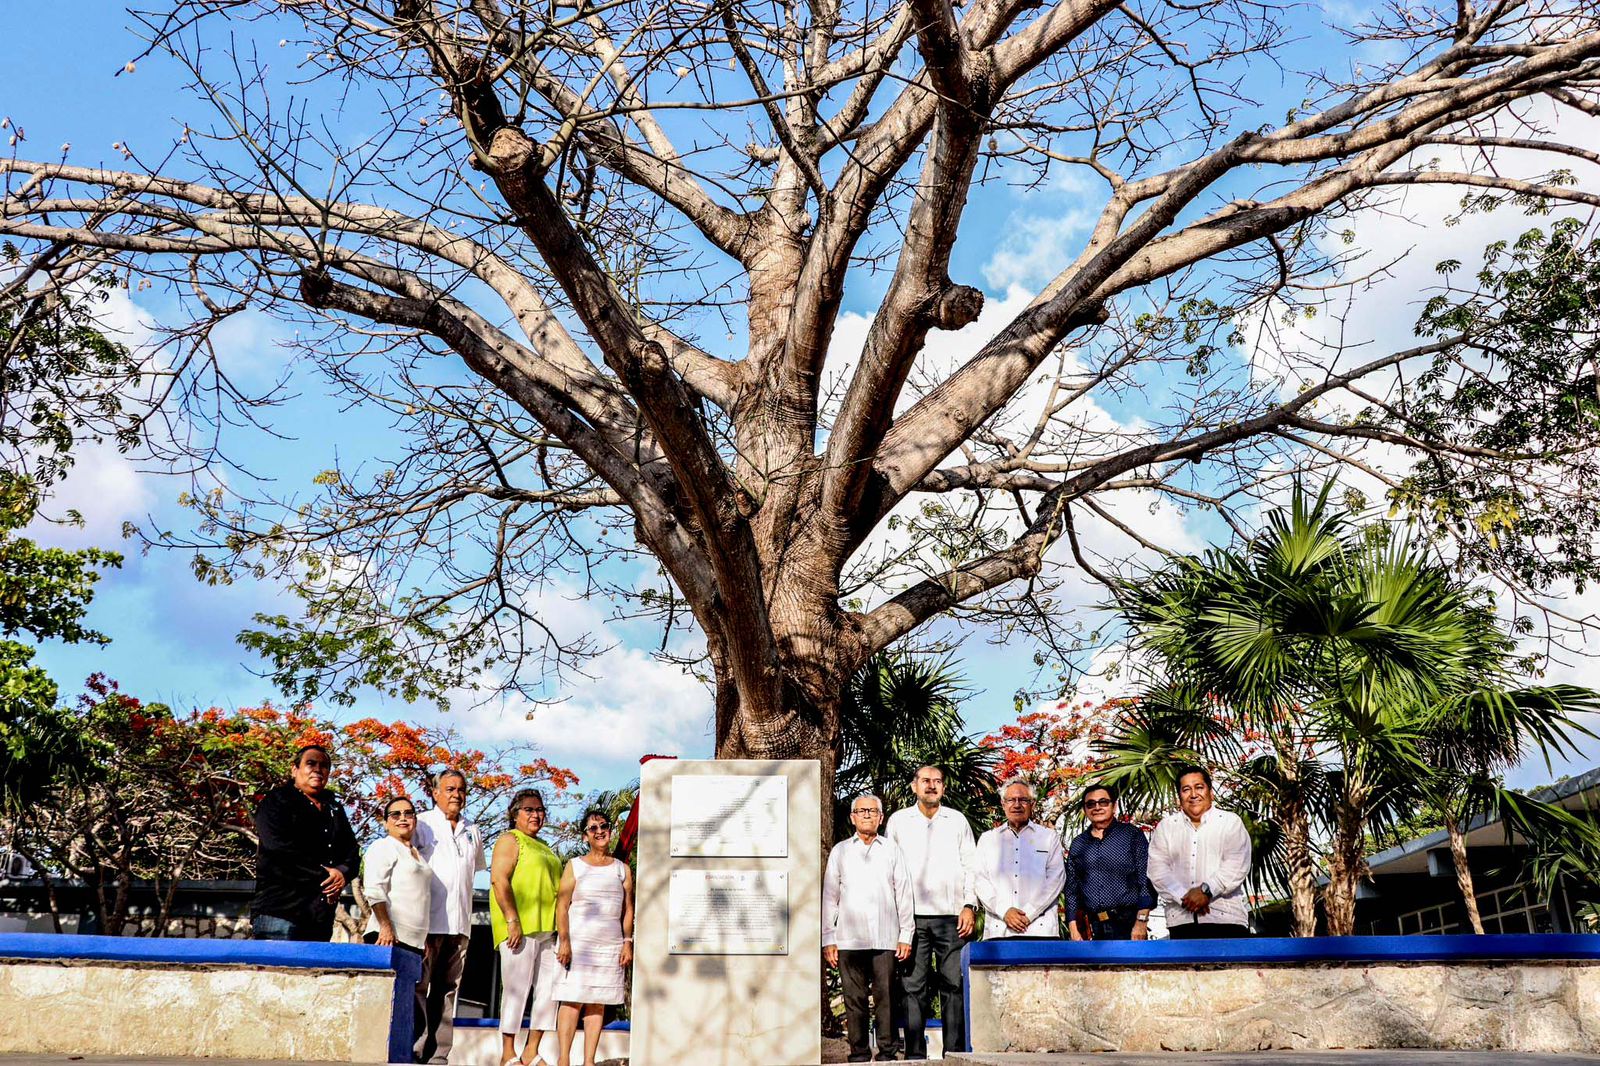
(398, 882)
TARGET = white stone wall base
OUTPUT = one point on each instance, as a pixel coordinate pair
(239, 1012)
(1535, 1006)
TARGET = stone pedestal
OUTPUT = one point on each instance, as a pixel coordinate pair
(695, 1005)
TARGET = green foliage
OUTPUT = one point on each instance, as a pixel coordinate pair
(45, 592)
(1520, 388)
(61, 381)
(345, 642)
(1303, 664)
(36, 737)
(902, 711)
(44, 595)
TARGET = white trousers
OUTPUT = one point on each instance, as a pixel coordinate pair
(532, 967)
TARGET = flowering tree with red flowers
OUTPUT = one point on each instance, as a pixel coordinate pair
(1050, 749)
(166, 797)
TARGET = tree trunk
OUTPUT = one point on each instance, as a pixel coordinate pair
(1346, 864)
(804, 725)
(1458, 857)
(1302, 870)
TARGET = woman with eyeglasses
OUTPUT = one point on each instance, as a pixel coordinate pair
(524, 875)
(397, 882)
(594, 921)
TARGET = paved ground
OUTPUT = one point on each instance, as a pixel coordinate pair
(1257, 1058)
(1273, 1058)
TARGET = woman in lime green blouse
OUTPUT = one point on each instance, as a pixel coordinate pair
(524, 876)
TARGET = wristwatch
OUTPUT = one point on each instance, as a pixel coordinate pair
(1205, 886)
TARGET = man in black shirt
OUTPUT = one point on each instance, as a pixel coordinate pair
(307, 853)
(1108, 893)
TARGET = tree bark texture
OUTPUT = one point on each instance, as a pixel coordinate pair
(1458, 859)
(1347, 865)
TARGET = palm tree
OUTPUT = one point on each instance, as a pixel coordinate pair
(1473, 736)
(1320, 647)
(901, 711)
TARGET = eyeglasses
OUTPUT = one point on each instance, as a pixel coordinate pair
(401, 814)
(1097, 803)
(866, 810)
(1019, 799)
(598, 829)
(530, 810)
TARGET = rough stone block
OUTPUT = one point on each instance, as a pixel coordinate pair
(1468, 1027)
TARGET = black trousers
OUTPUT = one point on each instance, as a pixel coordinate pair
(865, 971)
(1207, 931)
(935, 967)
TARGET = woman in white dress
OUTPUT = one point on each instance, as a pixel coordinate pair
(594, 921)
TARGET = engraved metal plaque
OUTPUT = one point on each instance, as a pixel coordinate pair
(728, 912)
(730, 816)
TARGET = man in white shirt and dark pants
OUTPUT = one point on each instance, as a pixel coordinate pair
(1199, 859)
(866, 922)
(453, 847)
(1020, 871)
(940, 852)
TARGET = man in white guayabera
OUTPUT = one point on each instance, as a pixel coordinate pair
(1199, 859)
(941, 853)
(867, 923)
(1020, 871)
(453, 847)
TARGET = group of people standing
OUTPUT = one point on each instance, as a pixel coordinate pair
(563, 931)
(899, 900)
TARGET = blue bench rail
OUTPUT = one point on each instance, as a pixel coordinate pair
(1286, 951)
(174, 951)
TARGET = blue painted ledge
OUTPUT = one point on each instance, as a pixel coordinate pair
(197, 952)
(1285, 951)
(173, 951)
(494, 1023)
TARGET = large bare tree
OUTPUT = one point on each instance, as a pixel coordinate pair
(536, 233)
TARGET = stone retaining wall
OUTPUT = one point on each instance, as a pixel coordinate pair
(94, 1008)
(175, 997)
(1546, 1006)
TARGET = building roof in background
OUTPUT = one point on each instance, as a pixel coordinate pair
(1573, 793)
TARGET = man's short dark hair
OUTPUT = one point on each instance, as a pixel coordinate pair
(1192, 769)
(439, 778)
(1101, 786)
(300, 753)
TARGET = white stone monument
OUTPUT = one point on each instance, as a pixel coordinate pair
(728, 922)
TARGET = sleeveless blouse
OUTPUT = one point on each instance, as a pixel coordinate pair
(534, 882)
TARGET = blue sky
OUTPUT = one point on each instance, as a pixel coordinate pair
(173, 638)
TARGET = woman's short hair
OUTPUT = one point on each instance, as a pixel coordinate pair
(396, 799)
(1177, 782)
(516, 801)
(593, 812)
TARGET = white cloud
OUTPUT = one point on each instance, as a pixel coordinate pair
(629, 704)
(107, 489)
